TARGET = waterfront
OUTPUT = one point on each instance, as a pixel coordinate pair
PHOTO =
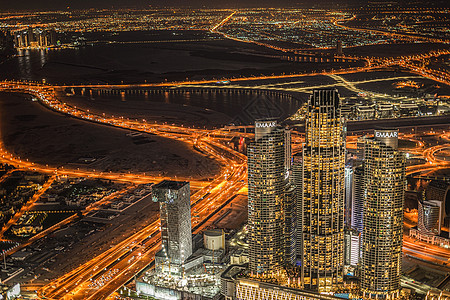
(154, 57)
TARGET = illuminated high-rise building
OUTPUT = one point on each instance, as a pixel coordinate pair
(384, 178)
(175, 210)
(290, 224)
(429, 217)
(357, 198)
(321, 226)
(287, 151)
(438, 190)
(352, 246)
(348, 194)
(297, 179)
(266, 186)
(429, 221)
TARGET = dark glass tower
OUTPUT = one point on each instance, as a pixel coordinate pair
(175, 210)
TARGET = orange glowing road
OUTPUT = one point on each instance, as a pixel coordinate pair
(433, 164)
(122, 261)
(223, 21)
(425, 251)
(137, 251)
(407, 37)
(181, 83)
(416, 65)
(144, 252)
(71, 283)
(372, 63)
(17, 162)
(8, 158)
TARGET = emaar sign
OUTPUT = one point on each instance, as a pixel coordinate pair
(265, 124)
(387, 137)
(386, 134)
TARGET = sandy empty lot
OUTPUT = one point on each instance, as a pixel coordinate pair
(31, 131)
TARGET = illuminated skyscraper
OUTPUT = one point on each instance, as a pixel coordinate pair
(175, 210)
(384, 178)
(438, 190)
(290, 224)
(352, 246)
(357, 198)
(266, 185)
(322, 201)
(429, 217)
(287, 151)
(348, 194)
(297, 179)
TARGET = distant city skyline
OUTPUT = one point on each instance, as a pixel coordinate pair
(83, 4)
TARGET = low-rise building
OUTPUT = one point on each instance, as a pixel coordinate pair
(385, 110)
(236, 286)
(408, 110)
(365, 112)
(440, 240)
(29, 224)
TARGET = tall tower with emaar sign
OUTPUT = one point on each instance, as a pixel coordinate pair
(384, 179)
(266, 183)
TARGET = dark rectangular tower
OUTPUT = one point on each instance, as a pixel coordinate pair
(175, 210)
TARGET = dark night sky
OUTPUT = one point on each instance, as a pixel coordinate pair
(77, 4)
(80, 4)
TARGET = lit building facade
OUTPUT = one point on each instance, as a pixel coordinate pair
(384, 177)
(266, 186)
(35, 38)
(358, 198)
(175, 213)
(439, 190)
(429, 215)
(287, 151)
(352, 246)
(254, 290)
(297, 179)
(322, 201)
(235, 285)
(290, 224)
(429, 223)
(430, 219)
(348, 194)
